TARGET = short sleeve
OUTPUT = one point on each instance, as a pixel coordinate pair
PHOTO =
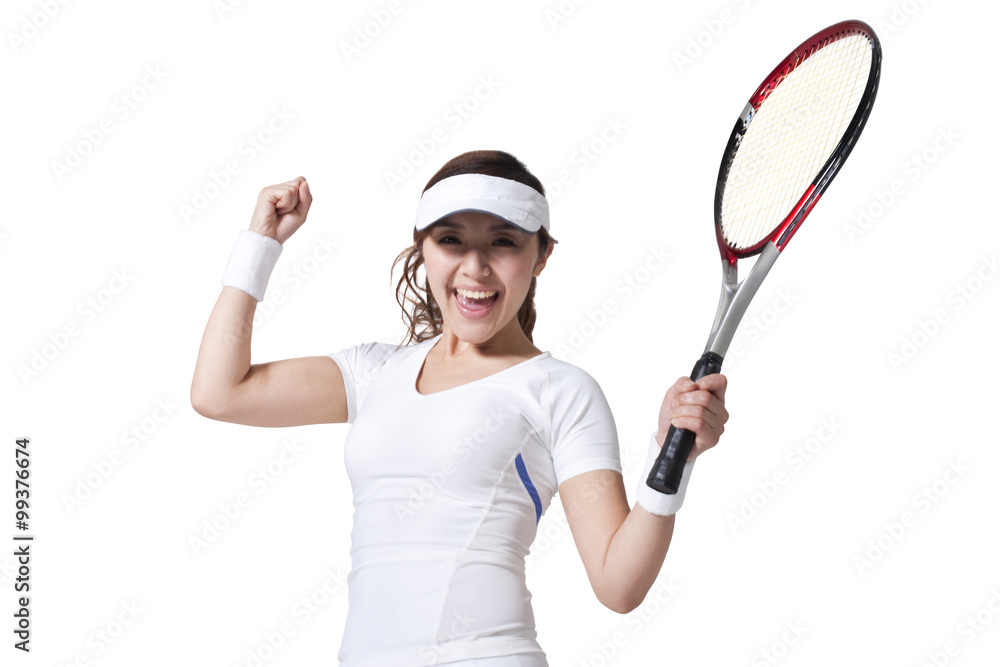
(360, 365)
(583, 434)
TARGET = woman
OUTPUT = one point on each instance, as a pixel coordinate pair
(460, 436)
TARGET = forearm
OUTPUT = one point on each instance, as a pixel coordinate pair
(639, 546)
(224, 355)
(635, 556)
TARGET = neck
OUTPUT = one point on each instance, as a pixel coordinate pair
(509, 341)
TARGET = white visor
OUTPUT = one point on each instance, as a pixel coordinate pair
(515, 202)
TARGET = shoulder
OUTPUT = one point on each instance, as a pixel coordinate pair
(376, 350)
(373, 350)
(568, 386)
(569, 374)
(365, 360)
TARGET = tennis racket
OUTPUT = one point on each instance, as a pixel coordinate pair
(790, 141)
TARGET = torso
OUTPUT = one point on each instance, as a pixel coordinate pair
(449, 490)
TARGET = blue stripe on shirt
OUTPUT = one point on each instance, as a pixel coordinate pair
(523, 472)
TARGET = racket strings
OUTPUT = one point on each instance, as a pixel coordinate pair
(802, 163)
(792, 134)
(797, 147)
(769, 193)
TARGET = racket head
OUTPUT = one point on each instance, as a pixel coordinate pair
(793, 136)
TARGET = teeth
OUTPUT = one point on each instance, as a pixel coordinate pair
(475, 295)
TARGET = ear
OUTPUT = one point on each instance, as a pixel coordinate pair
(540, 264)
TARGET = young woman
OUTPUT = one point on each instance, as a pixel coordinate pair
(461, 436)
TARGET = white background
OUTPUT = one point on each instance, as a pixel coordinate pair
(844, 548)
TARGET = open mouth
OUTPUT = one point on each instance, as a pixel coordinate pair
(475, 303)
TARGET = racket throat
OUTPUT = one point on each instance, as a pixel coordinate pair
(736, 297)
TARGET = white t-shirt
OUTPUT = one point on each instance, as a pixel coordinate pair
(448, 491)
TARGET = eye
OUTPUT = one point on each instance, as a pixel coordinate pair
(506, 242)
(445, 239)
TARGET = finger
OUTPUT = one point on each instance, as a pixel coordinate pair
(705, 426)
(703, 398)
(305, 197)
(717, 409)
(712, 412)
(697, 412)
(710, 437)
(287, 197)
(706, 435)
(715, 383)
(683, 384)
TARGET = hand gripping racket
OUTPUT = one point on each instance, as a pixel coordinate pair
(790, 141)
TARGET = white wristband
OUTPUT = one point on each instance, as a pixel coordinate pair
(251, 262)
(653, 501)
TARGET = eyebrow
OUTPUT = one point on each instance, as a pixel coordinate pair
(500, 226)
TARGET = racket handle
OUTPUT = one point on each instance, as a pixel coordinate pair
(665, 475)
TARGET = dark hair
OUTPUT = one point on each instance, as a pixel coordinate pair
(423, 317)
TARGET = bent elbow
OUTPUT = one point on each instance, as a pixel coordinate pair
(205, 405)
(202, 408)
(620, 608)
(621, 604)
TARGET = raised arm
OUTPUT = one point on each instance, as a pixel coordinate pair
(623, 550)
(290, 392)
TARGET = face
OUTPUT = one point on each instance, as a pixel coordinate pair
(482, 253)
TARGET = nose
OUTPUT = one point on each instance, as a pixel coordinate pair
(476, 262)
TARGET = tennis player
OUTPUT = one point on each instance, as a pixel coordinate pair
(462, 434)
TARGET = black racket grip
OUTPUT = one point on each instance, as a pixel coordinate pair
(665, 475)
